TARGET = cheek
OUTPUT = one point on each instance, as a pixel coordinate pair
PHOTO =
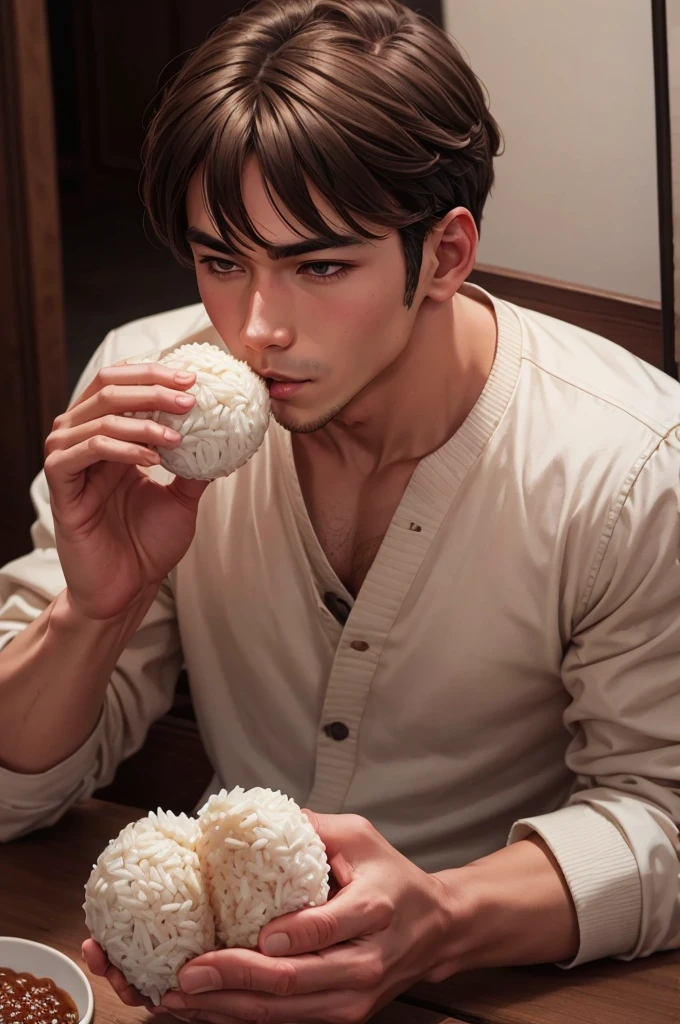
(381, 318)
(365, 306)
(222, 312)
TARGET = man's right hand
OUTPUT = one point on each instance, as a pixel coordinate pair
(119, 533)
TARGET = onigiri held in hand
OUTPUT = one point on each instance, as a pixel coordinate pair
(170, 887)
(228, 421)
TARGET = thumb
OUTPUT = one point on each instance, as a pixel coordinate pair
(336, 836)
(188, 492)
(335, 830)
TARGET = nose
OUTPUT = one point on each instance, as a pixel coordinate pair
(265, 325)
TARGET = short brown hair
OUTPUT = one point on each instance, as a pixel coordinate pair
(367, 100)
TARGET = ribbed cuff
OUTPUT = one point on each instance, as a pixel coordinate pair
(602, 875)
(30, 792)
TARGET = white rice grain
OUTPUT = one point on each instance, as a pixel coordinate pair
(133, 916)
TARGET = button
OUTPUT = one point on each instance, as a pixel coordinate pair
(336, 731)
(415, 528)
(338, 608)
(359, 645)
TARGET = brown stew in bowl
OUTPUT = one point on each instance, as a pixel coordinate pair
(25, 999)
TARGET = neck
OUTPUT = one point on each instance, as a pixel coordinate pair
(416, 405)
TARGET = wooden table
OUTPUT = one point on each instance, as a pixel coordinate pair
(41, 894)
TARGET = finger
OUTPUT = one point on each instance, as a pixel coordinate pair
(353, 965)
(183, 1015)
(341, 873)
(99, 964)
(347, 834)
(135, 373)
(331, 1005)
(63, 467)
(114, 399)
(123, 428)
(95, 957)
(357, 910)
(202, 1015)
(124, 990)
(216, 1018)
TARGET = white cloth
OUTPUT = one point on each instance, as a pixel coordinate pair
(518, 657)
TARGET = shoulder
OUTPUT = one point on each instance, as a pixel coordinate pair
(596, 377)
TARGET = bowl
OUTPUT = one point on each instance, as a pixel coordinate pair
(45, 962)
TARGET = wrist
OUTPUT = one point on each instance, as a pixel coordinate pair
(68, 616)
(512, 907)
(458, 912)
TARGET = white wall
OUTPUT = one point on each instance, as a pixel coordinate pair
(571, 85)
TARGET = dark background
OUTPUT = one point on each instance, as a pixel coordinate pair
(109, 60)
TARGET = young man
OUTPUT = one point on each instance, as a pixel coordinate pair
(445, 594)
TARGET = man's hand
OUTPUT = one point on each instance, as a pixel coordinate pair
(98, 964)
(386, 928)
(118, 533)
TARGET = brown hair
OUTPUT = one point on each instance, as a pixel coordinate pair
(365, 99)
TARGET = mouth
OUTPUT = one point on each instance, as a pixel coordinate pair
(276, 378)
(282, 388)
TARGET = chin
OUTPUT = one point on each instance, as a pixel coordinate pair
(287, 419)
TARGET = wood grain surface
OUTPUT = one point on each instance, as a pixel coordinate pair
(41, 894)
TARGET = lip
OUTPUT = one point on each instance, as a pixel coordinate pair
(281, 378)
(283, 389)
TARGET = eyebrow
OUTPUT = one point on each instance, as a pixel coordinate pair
(279, 252)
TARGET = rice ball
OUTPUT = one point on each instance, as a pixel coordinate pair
(146, 902)
(228, 421)
(261, 857)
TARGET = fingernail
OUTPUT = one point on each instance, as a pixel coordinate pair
(277, 944)
(200, 979)
(172, 435)
(183, 377)
(185, 400)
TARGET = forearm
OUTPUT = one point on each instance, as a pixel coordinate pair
(518, 909)
(53, 680)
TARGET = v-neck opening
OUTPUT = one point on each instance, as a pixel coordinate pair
(437, 476)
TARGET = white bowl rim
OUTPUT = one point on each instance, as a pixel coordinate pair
(14, 940)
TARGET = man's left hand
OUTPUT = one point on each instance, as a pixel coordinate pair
(389, 925)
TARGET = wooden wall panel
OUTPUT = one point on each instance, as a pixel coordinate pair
(31, 302)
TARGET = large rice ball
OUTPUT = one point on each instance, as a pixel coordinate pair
(170, 888)
(261, 858)
(228, 421)
(146, 902)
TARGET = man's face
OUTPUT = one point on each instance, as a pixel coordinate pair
(333, 318)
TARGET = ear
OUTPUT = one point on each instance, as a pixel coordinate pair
(449, 254)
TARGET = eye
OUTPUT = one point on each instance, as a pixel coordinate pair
(320, 270)
(217, 266)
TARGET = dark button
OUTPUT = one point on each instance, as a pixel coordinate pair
(338, 608)
(415, 527)
(336, 731)
(359, 645)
